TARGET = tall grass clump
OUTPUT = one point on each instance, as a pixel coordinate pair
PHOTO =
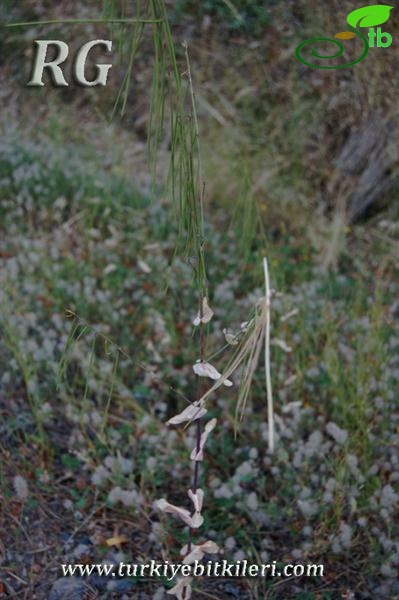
(173, 92)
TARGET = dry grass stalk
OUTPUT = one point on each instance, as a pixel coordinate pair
(256, 337)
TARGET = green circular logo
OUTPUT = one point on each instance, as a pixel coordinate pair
(331, 56)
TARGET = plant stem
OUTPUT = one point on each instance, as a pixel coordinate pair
(270, 411)
(201, 267)
(197, 137)
(198, 421)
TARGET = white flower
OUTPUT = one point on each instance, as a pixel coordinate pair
(205, 369)
(345, 535)
(207, 313)
(119, 463)
(230, 338)
(190, 413)
(308, 508)
(292, 406)
(281, 344)
(252, 501)
(290, 380)
(182, 588)
(223, 492)
(125, 464)
(253, 453)
(195, 554)
(125, 497)
(198, 551)
(151, 463)
(109, 269)
(143, 266)
(388, 496)
(197, 499)
(109, 462)
(352, 462)
(194, 521)
(100, 475)
(21, 488)
(288, 315)
(339, 435)
(230, 543)
(199, 455)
